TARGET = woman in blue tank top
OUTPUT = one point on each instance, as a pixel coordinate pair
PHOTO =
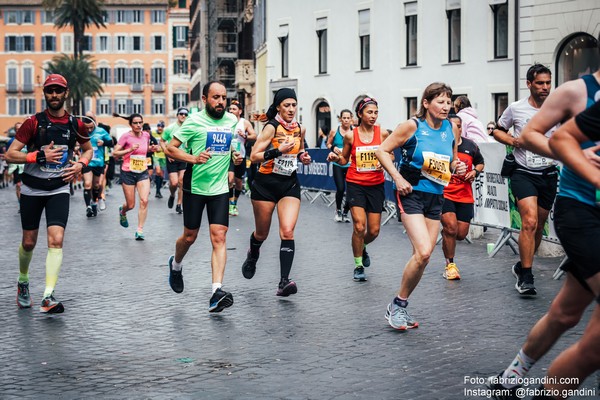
(335, 143)
(429, 144)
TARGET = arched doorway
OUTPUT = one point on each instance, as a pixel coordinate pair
(323, 122)
(577, 56)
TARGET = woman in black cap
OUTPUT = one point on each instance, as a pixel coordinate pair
(278, 149)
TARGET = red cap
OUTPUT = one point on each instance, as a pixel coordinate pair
(55, 79)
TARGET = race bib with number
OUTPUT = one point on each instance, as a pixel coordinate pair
(62, 163)
(285, 164)
(218, 139)
(137, 164)
(536, 161)
(366, 160)
(436, 168)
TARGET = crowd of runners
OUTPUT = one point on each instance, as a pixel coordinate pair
(203, 158)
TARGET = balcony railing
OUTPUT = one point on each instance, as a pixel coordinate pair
(11, 87)
(137, 87)
(158, 87)
(27, 88)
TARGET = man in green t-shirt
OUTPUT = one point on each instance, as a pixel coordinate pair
(160, 160)
(207, 136)
(175, 168)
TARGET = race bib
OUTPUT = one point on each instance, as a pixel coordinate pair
(62, 164)
(285, 164)
(436, 168)
(536, 161)
(218, 139)
(98, 156)
(137, 164)
(366, 160)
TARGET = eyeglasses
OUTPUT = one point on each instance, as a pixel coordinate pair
(184, 114)
(55, 89)
(137, 123)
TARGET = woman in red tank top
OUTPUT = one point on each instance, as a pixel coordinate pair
(365, 193)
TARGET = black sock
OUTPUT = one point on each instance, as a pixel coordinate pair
(401, 303)
(159, 181)
(95, 195)
(236, 193)
(451, 260)
(230, 193)
(255, 246)
(87, 196)
(286, 257)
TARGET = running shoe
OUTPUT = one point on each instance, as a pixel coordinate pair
(235, 211)
(338, 216)
(346, 218)
(139, 235)
(359, 274)
(366, 258)
(498, 391)
(94, 209)
(179, 209)
(249, 266)
(286, 288)
(524, 283)
(23, 297)
(231, 210)
(399, 318)
(51, 306)
(175, 277)
(158, 195)
(123, 218)
(102, 204)
(171, 201)
(220, 300)
(451, 272)
(88, 212)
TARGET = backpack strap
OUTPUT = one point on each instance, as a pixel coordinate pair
(40, 131)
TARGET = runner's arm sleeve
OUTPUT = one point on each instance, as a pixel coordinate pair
(589, 122)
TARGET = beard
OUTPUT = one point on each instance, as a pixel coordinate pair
(58, 106)
(214, 112)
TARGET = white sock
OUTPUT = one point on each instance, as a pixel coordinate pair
(177, 265)
(517, 369)
(216, 285)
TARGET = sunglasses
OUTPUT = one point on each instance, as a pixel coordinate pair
(56, 89)
(184, 114)
(160, 126)
(490, 128)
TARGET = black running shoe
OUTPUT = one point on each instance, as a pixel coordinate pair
(220, 300)
(179, 209)
(366, 258)
(175, 277)
(524, 283)
(89, 212)
(171, 201)
(158, 195)
(359, 274)
(286, 287)
(249, 266)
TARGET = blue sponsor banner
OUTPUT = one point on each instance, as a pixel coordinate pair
(318, 175)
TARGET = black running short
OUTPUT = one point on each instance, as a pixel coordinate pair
(97, 171)
(132, 178)
(370, 198)
(175, 166)
(274, 187)
(238, 170)
(578, 228)
(417, 202)
(56, 206)
(16, 176)
(217, 209)
(464, 211)
(543, 185)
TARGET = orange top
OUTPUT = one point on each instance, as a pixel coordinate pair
(285, 164)
(364, 166)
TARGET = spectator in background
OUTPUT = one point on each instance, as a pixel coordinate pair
(490, 129)
(472, 128)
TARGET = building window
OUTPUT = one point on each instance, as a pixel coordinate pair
(103, 43)
(12, 106)
(158, 75)
(137, 75)
(577, 56)
(11, 83)
(104, 74)
(27, 106)
(28, 43)
(67, 42)
(158, 16)
(120, 17)
(283, 40)
(138, 16)
(411, 107)
(500, 104)
(48, 43)
(138, 43)
(500, 30)
(410, 11)
(11, 17)
(10, 43)
(322, 37)
(158, 106)
(103, 107)
(47, 17)
(121, 106)
(137, 106)
(453, 35)
(180, 67)
(180, 100)
(121, 43)
(364, 34)
(120, 75)
(87, 43)
(28, 17)
(158, 43)
(180, 36)
(27, 79)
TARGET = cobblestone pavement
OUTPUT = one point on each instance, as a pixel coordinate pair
(125, 334)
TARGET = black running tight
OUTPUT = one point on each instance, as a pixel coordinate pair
(339, 177)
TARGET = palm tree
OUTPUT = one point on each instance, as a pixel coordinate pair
(83, 82)
(79, 14)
